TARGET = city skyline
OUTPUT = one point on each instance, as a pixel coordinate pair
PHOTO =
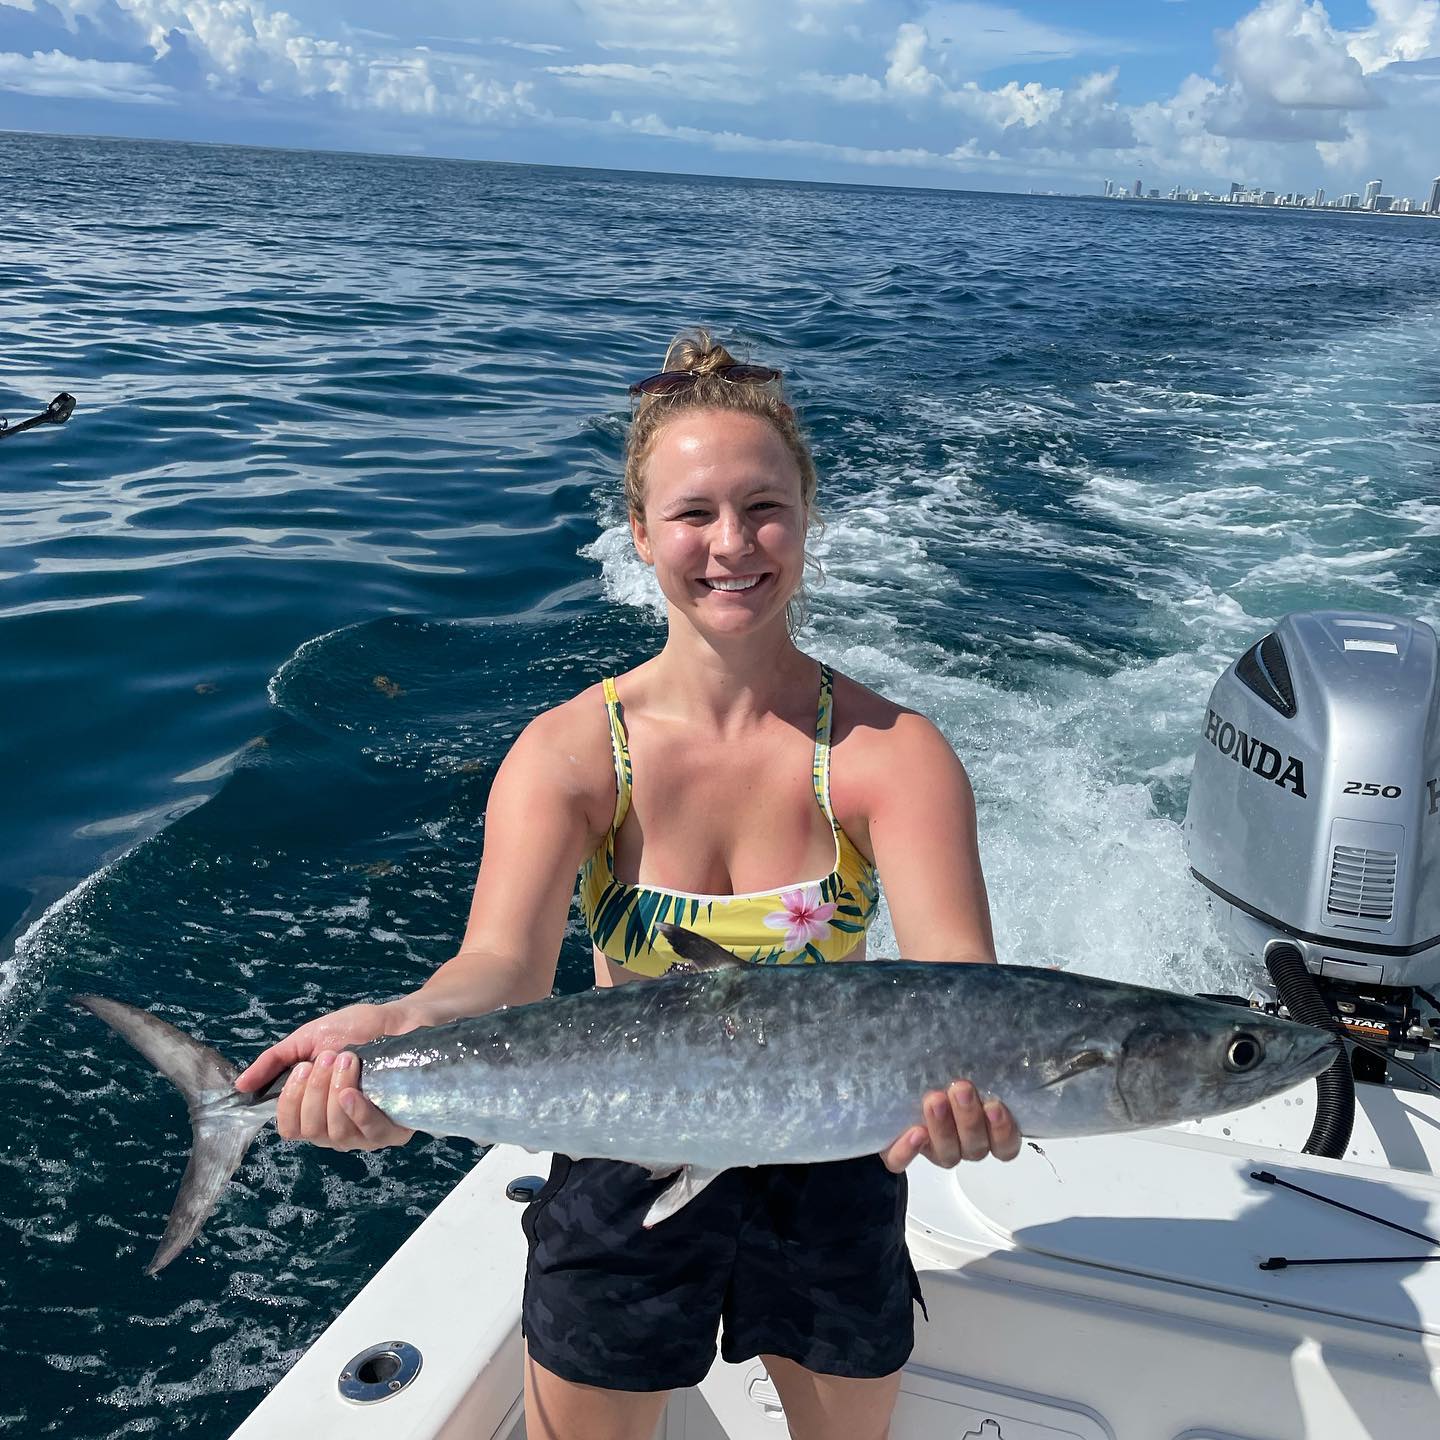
(1371, 199)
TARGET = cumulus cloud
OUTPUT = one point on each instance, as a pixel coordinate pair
(1008, 119)
(1400, 31)
(1286, 77)
(1285, 55)
(908, 75)
(55, 74)
(247, 45)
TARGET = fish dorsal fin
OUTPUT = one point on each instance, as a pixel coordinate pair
(696, 951)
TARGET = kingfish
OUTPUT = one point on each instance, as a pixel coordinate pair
(721, 1064)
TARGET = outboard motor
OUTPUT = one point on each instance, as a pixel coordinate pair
(1314, 822)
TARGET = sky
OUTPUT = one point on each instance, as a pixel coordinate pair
(1041, 94)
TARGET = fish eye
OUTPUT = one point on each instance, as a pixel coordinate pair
(1244, 1052)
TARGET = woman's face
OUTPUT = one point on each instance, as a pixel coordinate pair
(724, 524)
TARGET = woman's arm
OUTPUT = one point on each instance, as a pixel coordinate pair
(539, 826)
(923, 834)
(923, 837)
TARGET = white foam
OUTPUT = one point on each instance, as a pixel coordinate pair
(627, 579)
(276, 682)
(1423, 515)
(27, 961)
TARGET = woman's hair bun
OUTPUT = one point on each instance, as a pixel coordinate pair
(698, 351)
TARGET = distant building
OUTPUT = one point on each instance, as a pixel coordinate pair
(1382, 203)
(1235, 188)
(1109, 186)
(1403, 206)
(1319, 199)
(1154, 192)
(1268, 198)
(1139, 191)
(1350, 201)
(1433, 204)
(1372, 193)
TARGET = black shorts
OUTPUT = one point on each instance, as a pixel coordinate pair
(803, 1261)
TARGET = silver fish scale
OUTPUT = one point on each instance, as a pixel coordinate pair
(779, 1064)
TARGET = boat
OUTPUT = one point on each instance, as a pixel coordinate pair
(1265, 1275)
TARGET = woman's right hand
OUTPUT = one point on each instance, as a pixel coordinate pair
(322, 1101)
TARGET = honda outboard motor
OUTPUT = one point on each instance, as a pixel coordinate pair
(1314, 823)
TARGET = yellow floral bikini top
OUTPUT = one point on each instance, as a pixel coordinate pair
(802, 924)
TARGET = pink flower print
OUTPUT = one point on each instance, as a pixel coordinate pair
(803, 919)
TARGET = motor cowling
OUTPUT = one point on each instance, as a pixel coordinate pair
(1314, 812)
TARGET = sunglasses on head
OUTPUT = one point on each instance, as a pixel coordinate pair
(672, 382)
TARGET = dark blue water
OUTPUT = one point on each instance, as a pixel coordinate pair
(339, 510)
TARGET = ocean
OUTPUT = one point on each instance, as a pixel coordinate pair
(339, 510)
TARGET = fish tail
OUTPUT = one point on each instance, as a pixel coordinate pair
(222, 1121)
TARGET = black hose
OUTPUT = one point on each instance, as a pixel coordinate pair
(1335, 1087)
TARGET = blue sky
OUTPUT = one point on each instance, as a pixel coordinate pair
(1047, 94)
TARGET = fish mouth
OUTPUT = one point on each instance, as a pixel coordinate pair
(1322, 1056)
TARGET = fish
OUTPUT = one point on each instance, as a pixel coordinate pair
(721, 1064)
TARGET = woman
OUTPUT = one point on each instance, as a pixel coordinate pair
(727, 763)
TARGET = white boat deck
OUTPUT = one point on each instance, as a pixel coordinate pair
(1103, 1289)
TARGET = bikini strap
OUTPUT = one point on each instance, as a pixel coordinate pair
(620, 748)
(821, 769)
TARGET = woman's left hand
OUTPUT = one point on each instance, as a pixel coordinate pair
(958, 1126)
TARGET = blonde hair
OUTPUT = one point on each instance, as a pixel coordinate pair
(700, 353)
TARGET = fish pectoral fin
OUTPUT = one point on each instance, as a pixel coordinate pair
(1078, 1064)
(691, 1180)
(696, 951)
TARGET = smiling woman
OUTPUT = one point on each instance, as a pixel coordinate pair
(733, 797)
(701, 376)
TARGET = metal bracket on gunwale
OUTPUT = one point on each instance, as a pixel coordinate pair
(57, 412)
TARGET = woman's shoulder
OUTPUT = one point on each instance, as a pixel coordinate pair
(579, 723)
(876, 731)
(568, 747)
